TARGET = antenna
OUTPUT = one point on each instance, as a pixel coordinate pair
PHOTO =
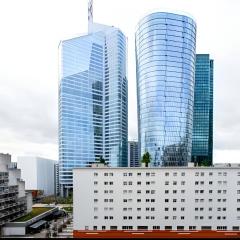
(90, 12)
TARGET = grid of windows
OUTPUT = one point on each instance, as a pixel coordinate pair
(92, 101)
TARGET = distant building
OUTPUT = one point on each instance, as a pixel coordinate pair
(202, 138)
(38, 173)
(133, 154)
(56, 180)
(107, 199)
(93, 100)
(165, 67)
(14, 201)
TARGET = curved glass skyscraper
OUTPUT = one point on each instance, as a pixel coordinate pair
(165, 67)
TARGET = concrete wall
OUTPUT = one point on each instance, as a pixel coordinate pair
(29, 201)
(11, 231)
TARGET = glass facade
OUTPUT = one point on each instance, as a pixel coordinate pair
(202, 139)
(133, 154)
(92, 101)
(165, 67)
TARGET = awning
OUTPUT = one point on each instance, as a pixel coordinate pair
(38, 224)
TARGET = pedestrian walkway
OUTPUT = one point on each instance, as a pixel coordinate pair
(67, 232)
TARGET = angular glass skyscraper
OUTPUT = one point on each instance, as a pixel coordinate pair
(202, 139)
(93, 103)
(165, 67)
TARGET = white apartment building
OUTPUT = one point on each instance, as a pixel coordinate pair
(166, 198)
(38, 173)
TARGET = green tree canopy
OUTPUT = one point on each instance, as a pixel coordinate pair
(102, 160)
(146, 158)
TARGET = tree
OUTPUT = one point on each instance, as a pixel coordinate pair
(102, 160)
(146, 158)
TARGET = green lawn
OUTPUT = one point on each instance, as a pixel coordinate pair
(35, 212)
(68, 209)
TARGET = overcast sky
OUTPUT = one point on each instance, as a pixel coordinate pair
(30, 31)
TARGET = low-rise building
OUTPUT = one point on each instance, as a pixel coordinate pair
(38, 173)
(14, 201)
(166, 198)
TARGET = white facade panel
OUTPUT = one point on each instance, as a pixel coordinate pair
(38, 173)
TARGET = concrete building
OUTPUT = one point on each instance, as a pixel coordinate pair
(14, 201)
(93, 100)
(38, 173)
(133, 154)
(166, 198)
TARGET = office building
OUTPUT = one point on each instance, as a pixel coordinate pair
(92, 100)
(56, 180)
(165, 198)
(202, 138)
(165, 68)
(133, 154)
(38, 173)
(14, 201)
